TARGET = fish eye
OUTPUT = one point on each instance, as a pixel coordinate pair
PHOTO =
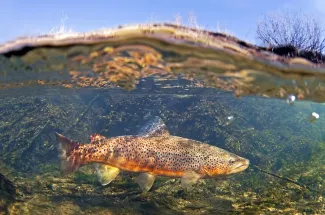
(231, 160)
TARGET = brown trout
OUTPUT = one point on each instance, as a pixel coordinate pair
(153, 153)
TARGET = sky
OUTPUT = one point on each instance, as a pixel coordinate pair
(35, 17)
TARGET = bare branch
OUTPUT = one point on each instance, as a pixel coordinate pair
(291, 28)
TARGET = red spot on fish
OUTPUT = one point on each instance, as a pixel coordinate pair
(96, 137)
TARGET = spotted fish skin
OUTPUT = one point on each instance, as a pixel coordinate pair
(160, 155)
(168, 156)
(155, 153)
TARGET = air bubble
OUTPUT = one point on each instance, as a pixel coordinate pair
(313, 117)
(230, 120)
(291, 99)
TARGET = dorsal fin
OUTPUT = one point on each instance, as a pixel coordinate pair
(155, 127)
(96, 138)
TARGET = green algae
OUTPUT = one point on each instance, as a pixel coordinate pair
(273, 135)
(83, 178)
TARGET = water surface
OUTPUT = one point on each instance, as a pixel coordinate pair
(113, 81)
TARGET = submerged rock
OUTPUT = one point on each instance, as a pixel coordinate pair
(7, 193)
(7, 188)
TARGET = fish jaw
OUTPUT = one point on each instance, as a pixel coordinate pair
(240, 165)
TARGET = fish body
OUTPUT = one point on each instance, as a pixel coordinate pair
(155, 153)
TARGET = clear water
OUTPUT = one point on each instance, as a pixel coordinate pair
(113, 86)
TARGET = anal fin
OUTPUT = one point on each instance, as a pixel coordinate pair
(106, 173)
(145, 181)
(189, 179)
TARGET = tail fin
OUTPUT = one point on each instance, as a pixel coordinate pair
(68, 163)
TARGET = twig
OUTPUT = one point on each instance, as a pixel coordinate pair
(285, 179)
(31, 142)
(18, 119)
(39, 133)
(82, 115)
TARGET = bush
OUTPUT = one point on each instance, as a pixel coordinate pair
(291, 29)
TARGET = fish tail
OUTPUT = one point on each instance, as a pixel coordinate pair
(68, 163)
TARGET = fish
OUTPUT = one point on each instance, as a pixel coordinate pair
(152, 152)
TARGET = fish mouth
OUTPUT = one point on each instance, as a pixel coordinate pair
(242, 165)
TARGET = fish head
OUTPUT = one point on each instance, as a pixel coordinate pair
(225, 163)
(235, 164)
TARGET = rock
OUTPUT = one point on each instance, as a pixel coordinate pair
(7, 187)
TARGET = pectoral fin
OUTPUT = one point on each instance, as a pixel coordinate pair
(189, 178)
(145, 181)
(106, 174)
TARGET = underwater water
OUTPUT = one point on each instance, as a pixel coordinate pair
(204, 86)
